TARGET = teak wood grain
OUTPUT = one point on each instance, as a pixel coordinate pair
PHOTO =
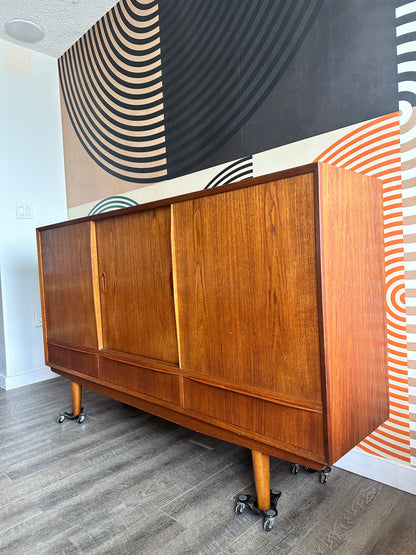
(354, 306)
(74, 359)
(135, 268)
(67, 290)
(254, 313)
(246, 286)
(295, 430)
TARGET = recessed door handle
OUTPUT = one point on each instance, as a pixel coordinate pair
(103, 282)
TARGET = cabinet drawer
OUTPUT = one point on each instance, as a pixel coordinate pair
(80, 361)
(160, 385)
(277, 423)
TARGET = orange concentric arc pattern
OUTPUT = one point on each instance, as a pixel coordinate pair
(374, 149)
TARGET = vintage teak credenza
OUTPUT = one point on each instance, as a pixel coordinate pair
(254, 312)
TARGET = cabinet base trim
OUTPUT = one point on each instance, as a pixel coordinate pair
(206, 426)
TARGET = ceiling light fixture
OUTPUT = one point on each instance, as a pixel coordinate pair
(24, 30)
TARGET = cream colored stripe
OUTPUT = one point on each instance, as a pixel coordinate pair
(89, 46)
(96, 101)
(98, 152)
(153, 62)
(408, 147)
(130, 39)
(110, 94)
(405, 128)
(140, 12)
(407, 221)
(411, 346)
(137, 136)
(409, 183)
(409, 165)
(410, 201)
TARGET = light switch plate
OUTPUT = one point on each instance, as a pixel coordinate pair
(24, 210)
(38, 319)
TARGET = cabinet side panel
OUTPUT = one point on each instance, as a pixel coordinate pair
(354, 306)
(246, 287)
(67, 285)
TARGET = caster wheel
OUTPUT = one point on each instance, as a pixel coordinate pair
(268, 525)
(241, 504)
(61, 418)
(275, 496)
(269, 520)
(294, 469)
(81, 418)
(323, 478)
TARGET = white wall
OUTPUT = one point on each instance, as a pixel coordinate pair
(31, 171)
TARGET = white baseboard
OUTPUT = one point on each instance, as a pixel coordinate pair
(26, 378)
(381, 470)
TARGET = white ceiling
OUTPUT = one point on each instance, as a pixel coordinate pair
(64, 21)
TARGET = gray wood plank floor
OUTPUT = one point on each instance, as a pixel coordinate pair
(127, 482)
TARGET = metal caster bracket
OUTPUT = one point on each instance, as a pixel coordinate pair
(248, 501)
(323, 475)
(70, 415)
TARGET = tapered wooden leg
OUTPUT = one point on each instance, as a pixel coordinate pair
(76, 398)
(261, 464)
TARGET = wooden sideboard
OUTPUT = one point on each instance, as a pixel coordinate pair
(254, 312)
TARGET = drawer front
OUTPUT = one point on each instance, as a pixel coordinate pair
(80, 361)
(278, 424)
(156, 384)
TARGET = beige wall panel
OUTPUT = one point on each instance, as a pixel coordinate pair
(86, 181)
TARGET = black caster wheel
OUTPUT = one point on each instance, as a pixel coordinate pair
(323, 477)
(79, 418)
(274, 497)
(240, 508)
(269, 519)
(246, 501)
(241, 504)
(294, 469)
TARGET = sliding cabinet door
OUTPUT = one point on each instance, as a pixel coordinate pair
(247, 290)
(135, 270)
(68, 285)
(70, 317)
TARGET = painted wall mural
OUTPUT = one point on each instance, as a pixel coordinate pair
(374, 149)
(112, 203)
(237, 171)
(166, 97)
(160, 89)
(406, 54)
(112, 85)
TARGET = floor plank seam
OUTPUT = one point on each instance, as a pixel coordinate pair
(41, 511)
(151, 503)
